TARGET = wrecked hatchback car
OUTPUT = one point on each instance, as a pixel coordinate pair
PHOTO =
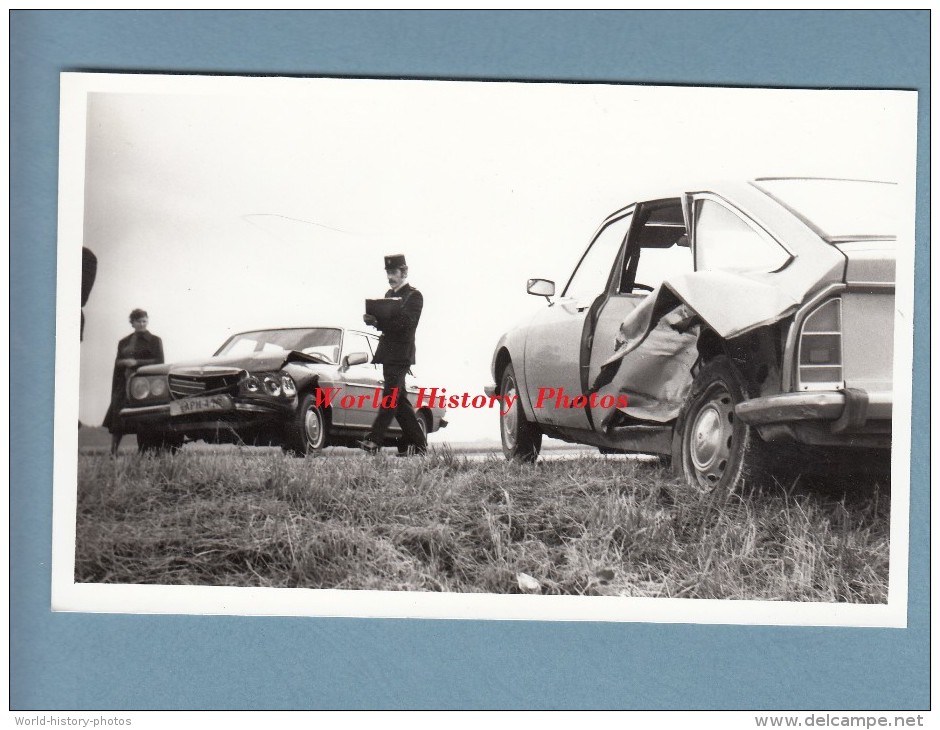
(746, 323)
(301, 388)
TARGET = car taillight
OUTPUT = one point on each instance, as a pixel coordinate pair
(820, 348)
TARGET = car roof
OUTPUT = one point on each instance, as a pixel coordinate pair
(732, 188)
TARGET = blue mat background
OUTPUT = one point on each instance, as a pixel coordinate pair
(87, 661)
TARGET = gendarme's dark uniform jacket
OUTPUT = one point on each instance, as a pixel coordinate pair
(397, 343)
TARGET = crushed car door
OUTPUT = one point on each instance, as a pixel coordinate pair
(735, 286)
(558, 343)
(658, 248)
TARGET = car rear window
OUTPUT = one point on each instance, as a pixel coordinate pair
(839, 210)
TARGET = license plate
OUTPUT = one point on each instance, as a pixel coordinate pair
(201, 404)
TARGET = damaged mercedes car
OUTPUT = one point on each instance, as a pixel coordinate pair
(302, 388)
(749, 324)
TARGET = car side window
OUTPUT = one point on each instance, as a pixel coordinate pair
(724, 241)
(356, 342)
(593, 271)
(659, 248)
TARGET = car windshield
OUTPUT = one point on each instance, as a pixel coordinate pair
(321, 342)
(839, 210)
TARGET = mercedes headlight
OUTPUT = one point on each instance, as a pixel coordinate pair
(272, 386)
(140, 388)
(287, 383)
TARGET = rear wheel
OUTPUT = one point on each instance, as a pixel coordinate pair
(403, 442)
(712, 448)
(521, 438)
(307, 431)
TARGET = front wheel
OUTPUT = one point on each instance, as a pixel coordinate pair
(521, 438)
(712, 448)
(307, 430)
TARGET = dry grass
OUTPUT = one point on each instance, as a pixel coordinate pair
(587, 526)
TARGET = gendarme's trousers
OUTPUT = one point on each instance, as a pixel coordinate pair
(394, 375)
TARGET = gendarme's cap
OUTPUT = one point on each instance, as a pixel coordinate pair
(395, 261)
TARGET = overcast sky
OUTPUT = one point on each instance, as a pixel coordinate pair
(225, 204)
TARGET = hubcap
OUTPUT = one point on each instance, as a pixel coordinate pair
(712, 436)
(509, 421)
(313, 427)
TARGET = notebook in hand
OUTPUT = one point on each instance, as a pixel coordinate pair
(383, 308)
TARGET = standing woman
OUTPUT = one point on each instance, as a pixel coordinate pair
(137, 349)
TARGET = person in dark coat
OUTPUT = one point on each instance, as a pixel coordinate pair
(89, 270)
(396, 354)
(139, 348)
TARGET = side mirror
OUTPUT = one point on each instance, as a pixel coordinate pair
(355, 358)
(540, 287)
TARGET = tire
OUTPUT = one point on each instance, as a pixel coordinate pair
(521, 438)
(423, 425)
(159, 443)
(308, 429)
(712, 449)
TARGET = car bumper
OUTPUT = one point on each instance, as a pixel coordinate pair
(490, 389)
(823, 417)
(163, 417)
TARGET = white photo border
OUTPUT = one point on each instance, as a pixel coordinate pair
(70, 596)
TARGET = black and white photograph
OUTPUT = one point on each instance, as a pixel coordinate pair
(469, 349)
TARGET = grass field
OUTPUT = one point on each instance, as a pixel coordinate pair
(584, 525)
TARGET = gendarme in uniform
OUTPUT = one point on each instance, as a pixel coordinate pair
(396, 354)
